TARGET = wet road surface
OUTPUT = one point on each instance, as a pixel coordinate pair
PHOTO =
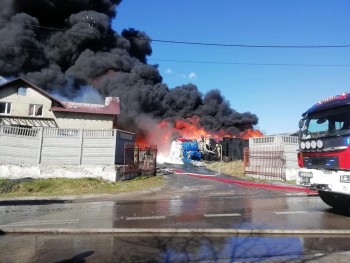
(184, 202)
(247, 212)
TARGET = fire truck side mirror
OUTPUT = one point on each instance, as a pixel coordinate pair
(301, 123)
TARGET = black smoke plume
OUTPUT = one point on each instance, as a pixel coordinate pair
(65, 44)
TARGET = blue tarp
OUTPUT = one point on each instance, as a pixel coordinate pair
(190, 151)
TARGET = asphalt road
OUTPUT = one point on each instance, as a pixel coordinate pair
(185, 203)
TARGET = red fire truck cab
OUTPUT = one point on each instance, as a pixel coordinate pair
(324, 152)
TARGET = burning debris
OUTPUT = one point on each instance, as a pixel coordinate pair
(64, 45)
(183, 151)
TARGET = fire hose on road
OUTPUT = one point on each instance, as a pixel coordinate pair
(189, 148)
(276, 187)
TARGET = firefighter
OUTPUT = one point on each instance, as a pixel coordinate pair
(147, 158)
(218, 150)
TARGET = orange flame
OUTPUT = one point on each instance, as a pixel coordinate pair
(250, 133)
(190, 128)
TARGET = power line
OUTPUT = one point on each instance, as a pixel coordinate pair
(250, 64)
(211, 62)
(197, 43)
(58, 29)
(249, 46)
(30, 25)
(193, 43)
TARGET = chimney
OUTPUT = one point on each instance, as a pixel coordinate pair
(110, 100)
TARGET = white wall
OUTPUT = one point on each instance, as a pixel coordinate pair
(12, 171)
(20, 104)
(85, 121)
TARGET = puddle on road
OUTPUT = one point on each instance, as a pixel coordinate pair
(245, 212)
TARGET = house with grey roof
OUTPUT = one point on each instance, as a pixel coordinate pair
(24, 104)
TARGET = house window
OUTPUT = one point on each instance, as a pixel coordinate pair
(35, 110)
(5, 108)
(22, 91)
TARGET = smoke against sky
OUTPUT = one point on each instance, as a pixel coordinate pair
(63, 45)
(278, 84)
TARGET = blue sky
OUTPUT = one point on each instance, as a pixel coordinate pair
(277, 94)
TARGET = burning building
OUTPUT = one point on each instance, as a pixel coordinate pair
(62, 45)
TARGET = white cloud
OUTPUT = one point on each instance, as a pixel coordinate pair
(192, 76)
(169, 71)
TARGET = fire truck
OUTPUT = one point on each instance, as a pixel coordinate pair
(324, 150)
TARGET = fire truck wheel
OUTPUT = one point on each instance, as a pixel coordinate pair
(337, 201)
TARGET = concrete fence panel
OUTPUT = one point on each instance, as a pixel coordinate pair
(68, 153)
(51, 146)
(18, 145)
(61, 146)
(98, 150)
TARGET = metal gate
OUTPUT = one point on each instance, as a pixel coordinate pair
(265, 163)
(140, 159)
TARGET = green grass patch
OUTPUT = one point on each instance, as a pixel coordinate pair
(64, 186)
(234, 168)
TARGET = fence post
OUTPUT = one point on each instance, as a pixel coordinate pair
(115, 146)
(41, 137)
(81, 146)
